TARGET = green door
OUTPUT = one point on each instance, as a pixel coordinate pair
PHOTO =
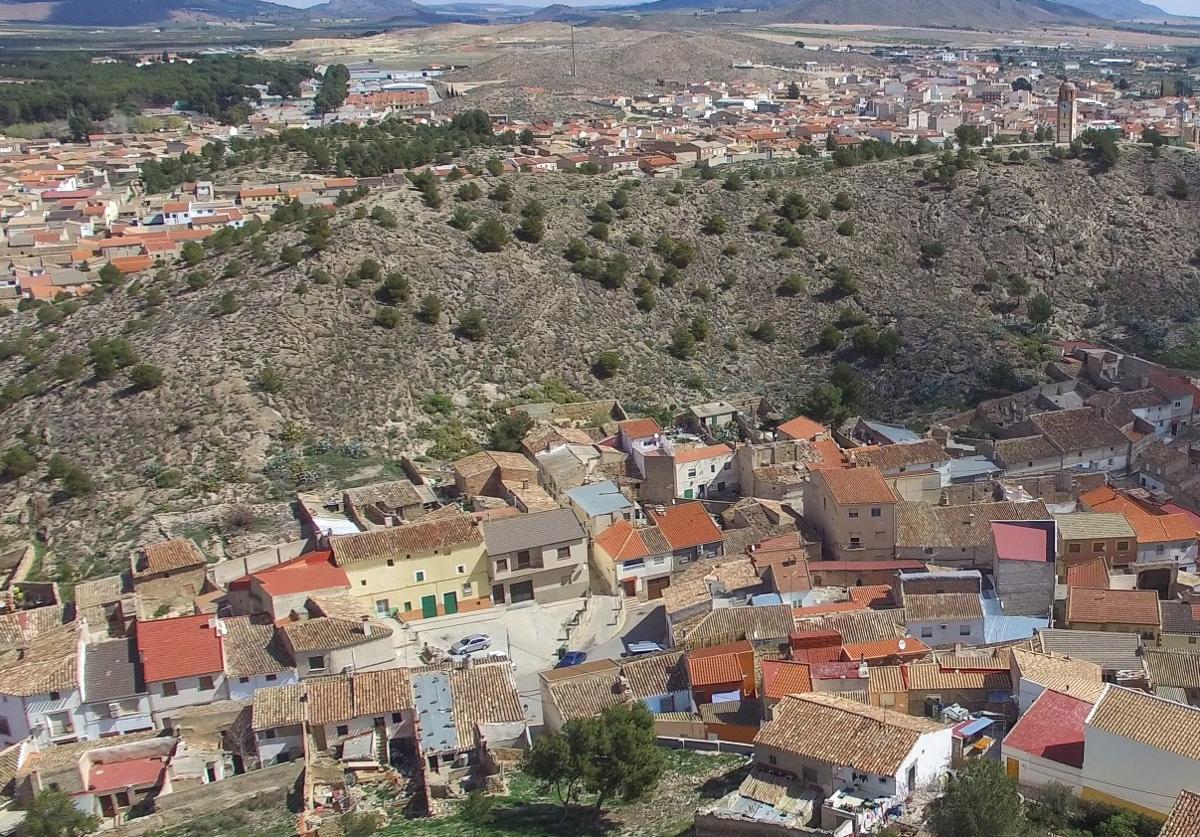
(450, 603)
(687, 494)
(429, 606)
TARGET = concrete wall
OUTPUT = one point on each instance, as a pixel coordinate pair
(189, 694)
(135, 716)
(1035, 771)
(245, 691)
(1116, 769)
(1183, 553)
(224, 572)
(948, 632)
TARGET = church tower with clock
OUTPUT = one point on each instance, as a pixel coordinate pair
(1067, 114)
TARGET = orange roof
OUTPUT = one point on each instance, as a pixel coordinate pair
(341, 183)
(309, 573)
(882, 649)
(131, 264)
(176, 206)
(1092, 573)
(622, 542)
(872, 595)
(857, 486)
(717, 665)
(261, 192)
(706, 452)
(1107, 499)
(801, 427)
(1120, 607)
(639, 428)
(686, 525)
(782, 678)
(186, 646)
(832, 456)
(1161, 528)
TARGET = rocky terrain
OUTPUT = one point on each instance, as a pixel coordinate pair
(344, 396)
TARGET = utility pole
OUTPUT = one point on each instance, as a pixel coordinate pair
(572, 25)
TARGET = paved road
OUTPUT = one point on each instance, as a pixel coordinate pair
(644, 622)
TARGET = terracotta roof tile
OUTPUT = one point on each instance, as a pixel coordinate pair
(718, 664)
(784, 677)
(927, 607)
(1079, 678)
(1052, 729)
(621, 542)
(186, 646)
(1149, 720)
(1122, 607)
(686, 525)
(168, 556)
(802, 427)
(1162, 528)
(1184, 819)
(857, 486)
(252, 648)
(419, 537)
(895, 457)
(873, 595)
(1091, 573)
(484, 694)
(881, 649)
(1177, 669)
(642, 428)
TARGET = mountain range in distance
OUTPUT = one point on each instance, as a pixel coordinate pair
(940, 13)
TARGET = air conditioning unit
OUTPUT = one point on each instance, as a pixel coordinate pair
(114, 710)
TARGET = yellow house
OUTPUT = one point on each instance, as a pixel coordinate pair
(417, 570)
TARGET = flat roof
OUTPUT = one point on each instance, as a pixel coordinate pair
(434, 706)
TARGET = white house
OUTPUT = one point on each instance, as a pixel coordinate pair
(255, 657)
(183, 662)
(40, 691)
(864, 758)
(1046, 744)
(1166, 537)
(704, 471)
(945, 618)
(114, 700)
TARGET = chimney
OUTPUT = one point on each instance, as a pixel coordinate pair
(366, 625)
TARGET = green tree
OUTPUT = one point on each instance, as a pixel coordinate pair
(1056, 807)
(981, 801)
(490, 237)
(844, 282)
(531, 229)
(715, 224)
(291, 255)
(608, 364)
(394, 289)
(145, 376)
(494, 166)
(53, 814)
(932, 250)
(383, 217)
(843, 202)
(508, 431)
(1179, 189)
(17, 462)
(430, 309)
(228, 303)
(765, 332)
(1018, 286)
(968, 135)
(1039, 309)
(110, 274)
(683, 342)
(269, 380)
(69, 367)
(79, 127)
(793, 89)
(471, 324)
(76, 482)
(830, 338)
(197, 279)
(317, 233)
(387, 317)
(335, 87)
(469, 191)
(192, 253)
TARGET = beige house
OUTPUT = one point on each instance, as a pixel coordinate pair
(854, 510)
(537, 557)
(1086, 535)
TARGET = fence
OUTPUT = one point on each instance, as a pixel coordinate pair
(705, 745)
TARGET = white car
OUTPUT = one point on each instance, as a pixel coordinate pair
(470, 644)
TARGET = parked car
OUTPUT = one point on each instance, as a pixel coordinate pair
(572, 658)
(471, 643)
(635, 648)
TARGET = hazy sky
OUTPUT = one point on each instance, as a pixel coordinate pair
(1182, 7)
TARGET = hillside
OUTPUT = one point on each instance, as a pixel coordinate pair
(211, 433)
(969, 14)
(398, 11)
(138, 12)
(1121, 9)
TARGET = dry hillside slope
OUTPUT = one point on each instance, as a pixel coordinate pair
(1115, 259)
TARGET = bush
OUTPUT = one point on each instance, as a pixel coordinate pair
(145, 376)
(227, 304)
(846, 228)
(50, 315)
(608, 364)
(394, 289)
(532, 229)
(369, 270)
(69, 367)
(830, 338)
(715, 225)
(683, 342)
(17, 462)
(232, 269)
(192, 253)
(197, 279)
(76, 482)
(269, 380)
(765, 332)
(850, 317)
(791, 286)
(1179, 189)
(932, 250)
(599, 231)
(384, 217)
(844, 282)
(430, 309)
(461, 219)
(469, 192)
(490, 237)
(843, 202)
(471, 324)
(508, 431)
(290, 255)
(387, 317)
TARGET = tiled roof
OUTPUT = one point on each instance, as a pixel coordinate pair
(1078, 678)
(873, 595)
(110, 671)
(659, 674)
(1079, 430)
(168, 556)
(860, 626)
(894, 457)
(1173, 668)
(186, 646)
(252, 648)
(381, 692)
(784, 677)
(642, 428)
(484, 694)
(487, 461)
(1111, 650)
(686, 525)
(621, 541)
(528, 531)
(718, 664)
(1084, 525)
(394, 494)
(1092, 573)
(100, 591)
(1149, 720)
(932, 677)
(930, 607)
(1162, 528)
(51, 671)
(329, 700)
(1180, 618)
(419, 537)
(919, 524)
(826, 727)
(1024, 449)
(1121, 607)
(856, 486)
(704, 452)
(325, 633)
(1184, 819)
(801, 427)
(1052, 729)
(742, 713)
(1017, 542)
(310, 573)
(764, 622)
(883, 648)
(587, 696)
(887, 679)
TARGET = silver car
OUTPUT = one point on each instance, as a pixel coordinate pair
(470, 644)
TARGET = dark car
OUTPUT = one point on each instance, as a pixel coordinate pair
(572, 658)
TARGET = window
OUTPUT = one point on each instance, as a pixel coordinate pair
(809, 774)
(4, 729)
(408, 607)
(853, 513)
(1160, 548)
(1148, 635)
(169, 689)
(964, 630)
(876, 511)
(269, 734)
(382, 607)
(564, 552)
(926, 633)
(523, 560)
(122, 799)
(771, 759)
(391, 562)
(856, 543)
(243, 679)
(691, 472)
(1098, 546)
(363, 582)
(468, 589)
(1122, 546)
(1073, 547)
(1192, 640)
(418, 576)
(725, 467)
(713, 469)
(461, 569)
(343, 730)
(271, 678)
(206, 684)
(928, 550)
(55, 696)
(316, 663)
(502, 565)
(397, 718)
